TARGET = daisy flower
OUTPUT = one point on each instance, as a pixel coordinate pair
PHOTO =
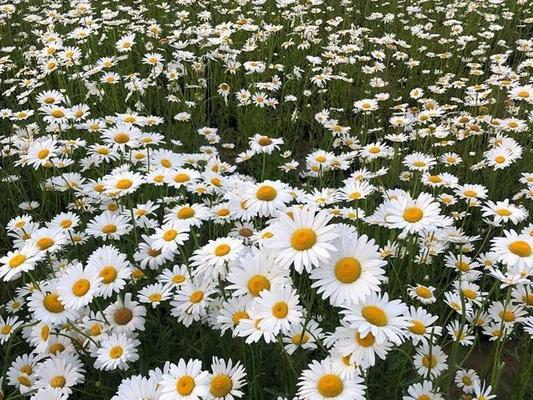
(170, 236)
(213, 257)
(78, 286)
(112, 267)
(7, 327)
(116, 351)
(155, 293)
(226, 380)
(126, 315)
(185, 381)
(303, 237)
(265, 198)
(278, 309)
(322, 380)
(430, 360)
(353, 271)
(18, 261)
(379, 316)
(514, 249)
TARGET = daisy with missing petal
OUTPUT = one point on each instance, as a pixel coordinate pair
(78, 286)
(226, 380)
(379, 316)
(18, 261)
(116, 351)
(185, 381)
(419, 328)
(324, 380)
(514, 249)
(354, 271)
(303, 237)
(278, 309)
(265, 198)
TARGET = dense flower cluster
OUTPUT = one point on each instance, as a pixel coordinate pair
(343, 185)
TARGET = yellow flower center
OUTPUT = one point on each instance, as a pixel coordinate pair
(507, 316)
(413, 214)
(470, 193)
(469, 293)
(116, 352)
(181, 178)
(185, 385)
(347, 270)
(121, 138)
(155, 297)
(423, 292)
(45, 243)
(45, 333)
(257, 283)
(52, 304)
(42, 154)
(58, 381)
(429, 363)
(95, 330)
(108, 274)
(178, 278)
(196, 296)
(57, 113)
(221, 385)
(520, 248)
(245, 232)
(81, 287)
(366, 341)
(499, 159)
(417, 327)
(66, 223)
(330, 386)
(237, 316)
(26, 369)
(56, 348)
(24, 381)
(17, 260)
(303, 239)
(222, 249)
(124, 184)
(434, 179)
(300, 339)
(170, 235)
(109, 228)
(320, 159)
(374, 150)
(122, 316)
(467, 380)
(266, 193)
(374, 315)
(280, 309)
(503, 212)
(265, 141)
(6, 329)
(186, 212)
